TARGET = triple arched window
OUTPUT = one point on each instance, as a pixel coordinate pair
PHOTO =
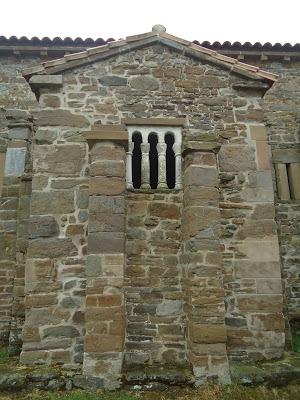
(154, 157)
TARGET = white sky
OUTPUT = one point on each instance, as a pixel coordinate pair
(234, 20)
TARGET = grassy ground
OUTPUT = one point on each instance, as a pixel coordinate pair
(203, 393)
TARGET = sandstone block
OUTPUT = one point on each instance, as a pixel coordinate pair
(164, 210)
(61, 160)
(43, 226)
(144, 83)
(108, 168)
(60, 332)
(236, 158)
(103, 343)
(40, 300)
(269, 286)
(113, 80)
(201, 176)
(61, 202)
(204, 333)
(267, 322)
(109, 186)
(106, 242)
(256, 269)
(197, 219)
(33, 357)
(251, 228)
(51, 247)
(19, 133)
(169, 307)
(107, 204)
(201, 196)
(260, 303)
(94, 265)
(49, 81)
(61, 118)
(106, 222)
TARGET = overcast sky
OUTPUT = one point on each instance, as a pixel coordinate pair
(234, 20)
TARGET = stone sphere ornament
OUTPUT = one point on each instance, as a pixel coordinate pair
(159, 28)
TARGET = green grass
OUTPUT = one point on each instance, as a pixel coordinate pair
(296, 338)
(91, 396)
(234, 392)
(3, 354)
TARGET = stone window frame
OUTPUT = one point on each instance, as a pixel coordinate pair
(160, 132)
(288, 181)
(159, 126)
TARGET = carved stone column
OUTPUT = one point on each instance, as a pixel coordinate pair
(105, 309)
(202, 265)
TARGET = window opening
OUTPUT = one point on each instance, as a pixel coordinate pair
(153, 160)
(136, 160)
(170, 160)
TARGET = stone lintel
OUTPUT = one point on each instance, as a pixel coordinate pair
(192, 146)
(48, 81)
(155, 121)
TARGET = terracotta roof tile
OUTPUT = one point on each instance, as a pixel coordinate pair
(122, 45)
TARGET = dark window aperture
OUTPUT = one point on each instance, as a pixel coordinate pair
(153, 160)
(136, 160)
(170, 161)
(154, 157)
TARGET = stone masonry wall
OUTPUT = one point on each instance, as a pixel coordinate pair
(153, 278)
(149, 83)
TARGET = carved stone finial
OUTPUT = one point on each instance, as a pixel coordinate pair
(158, 29)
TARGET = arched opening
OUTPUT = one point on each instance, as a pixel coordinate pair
(136, 160)
(170, 161)
(153, 160)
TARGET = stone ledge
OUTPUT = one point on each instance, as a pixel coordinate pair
(48, 81)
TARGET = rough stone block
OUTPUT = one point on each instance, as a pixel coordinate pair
(109, 186)
(144, 83)
(106, 242)
(61, 118)
(60, 160)
(201, 176)
(260, 303)
(198, 219)
(204, 333)
(94, 265)
(113, 80)
(67, 331)
(44, 226)
(256, 269)
(269, 286)
(107, 204)
(49, 81)
(51, 247)
(236, 158)
(164, 210)
(61, 202)
(103, 343)
(106, 222)
(108, 168)
(20, 133)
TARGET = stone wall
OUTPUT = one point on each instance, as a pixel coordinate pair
(174, 278)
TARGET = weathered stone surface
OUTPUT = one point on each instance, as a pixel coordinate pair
(49, 81)
(53, 247)
(144, 83)
(43, 226)
(113, 80)
(204, 333)
(52, 202)
(106, 242)
(62, 160)
(60, 331)
(163, 210)
(109, 186)
(61, 118)
(236, 158)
